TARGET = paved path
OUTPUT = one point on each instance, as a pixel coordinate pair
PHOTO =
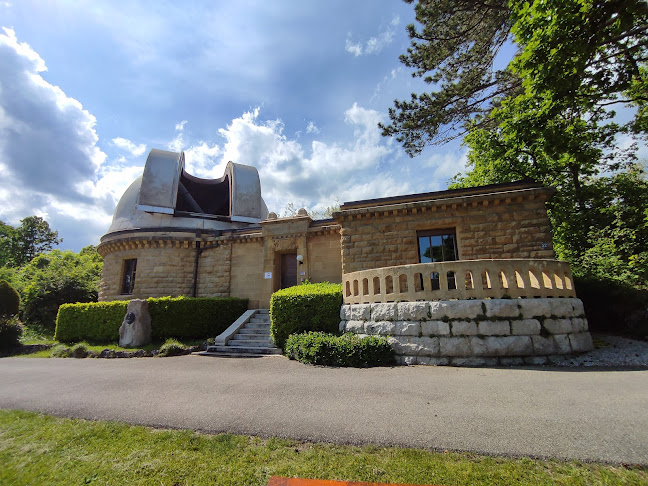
(580, 414)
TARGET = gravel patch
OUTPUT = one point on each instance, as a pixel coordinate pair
(609, 351)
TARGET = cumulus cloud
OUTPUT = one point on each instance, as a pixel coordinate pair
(444, 166)
(374, 44)
(50, 160)
(129, 146)
(47, 140)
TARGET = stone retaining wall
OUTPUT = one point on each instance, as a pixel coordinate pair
(474, 332)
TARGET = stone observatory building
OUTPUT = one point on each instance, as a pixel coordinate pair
(448, 275)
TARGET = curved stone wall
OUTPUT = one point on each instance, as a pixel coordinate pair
(474, 332)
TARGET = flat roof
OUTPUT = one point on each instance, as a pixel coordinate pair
(426, 196)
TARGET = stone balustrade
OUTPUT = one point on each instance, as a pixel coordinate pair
(460, 280)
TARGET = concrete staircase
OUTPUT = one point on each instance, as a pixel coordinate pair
(251, 339)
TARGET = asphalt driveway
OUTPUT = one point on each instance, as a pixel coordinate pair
(581, 414)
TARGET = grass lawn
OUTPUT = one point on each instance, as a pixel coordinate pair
(40, 449)
(43, 335)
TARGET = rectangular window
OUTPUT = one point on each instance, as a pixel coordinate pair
(128, 280)
(437, 246)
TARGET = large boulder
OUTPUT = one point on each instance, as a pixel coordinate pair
(136, 328)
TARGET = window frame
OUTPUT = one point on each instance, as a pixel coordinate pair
(437, 232)
(127, 286)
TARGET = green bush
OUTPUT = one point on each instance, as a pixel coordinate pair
(188, 317)
(179, 317)
(347, 350)
(96, 322)
(171, 347)
(61, 351)
(79, 350)
(612, 306)
(9, 299)
(309, 307)
(56, 278)
(10, 332)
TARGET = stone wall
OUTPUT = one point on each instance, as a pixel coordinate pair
(511, 225)
(164, 267)
(326, 258)
(474, 332)
(247, 273)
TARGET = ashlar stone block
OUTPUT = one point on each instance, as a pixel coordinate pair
(581, 342)
(382, 328)
(356, 327)
(502, 308)
(558, 326)
(384, 312)
(455, 346)
(502, 346)
(494, 328)
(578, 307)
(544, 345)
(345, 312)
(360, 312)
(413, 311)
(435, 328)
(464, 328)
(563, 344)
(535, 308)
(561, 307)
(407, 328)
(525, 327)
(456, 309)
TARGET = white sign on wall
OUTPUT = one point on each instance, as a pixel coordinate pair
(267, 275)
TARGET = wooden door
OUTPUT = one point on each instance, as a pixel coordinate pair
(288, 270)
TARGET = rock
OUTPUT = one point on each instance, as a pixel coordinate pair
(525, 327)
(345, 312)
(413, 311)
(435, 328)
(544, 345)
(140, 353)
(136, 328)
(536, 360)
(577, 305)
(494, 328)
(107, 353)
(502, 308)
(342, 326)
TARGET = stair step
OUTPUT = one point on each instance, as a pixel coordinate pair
(246, 330)
(265, 343)
(251, 337)
(242, 350)
(257, 326)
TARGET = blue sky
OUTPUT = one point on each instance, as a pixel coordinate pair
(294, 88)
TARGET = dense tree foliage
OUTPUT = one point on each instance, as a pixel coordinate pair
(572, 57)
(547, 116)
(31, 238)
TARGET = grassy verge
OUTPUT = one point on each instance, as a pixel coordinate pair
(40, 449)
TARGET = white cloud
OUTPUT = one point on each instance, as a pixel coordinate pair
(48, 144)
(445, 166)
(312, 128)
(180, 126)
(374, 44)
(129, 146)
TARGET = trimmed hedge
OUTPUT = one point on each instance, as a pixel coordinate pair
(9, 299)
(96, 322)
(306, 307)
(188, 317)
(10, 332)
(346, 350)
(171, 317)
